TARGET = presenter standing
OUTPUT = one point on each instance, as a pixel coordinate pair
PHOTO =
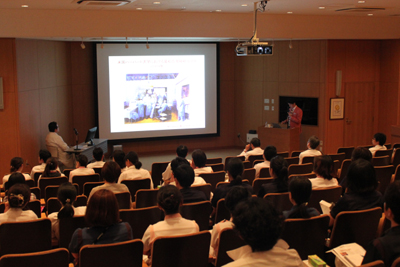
(295, 114)
(56, 146)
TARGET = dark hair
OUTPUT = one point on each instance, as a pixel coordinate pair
(169, 198)
(235, 169)
(255, 142)
(19, 195)
(392, 200)
(323, 166)
(270, 152)
(97, 153)
(134, 159)
(15, 178)
(279, 167)
(177, 162)
(300, 189)
(291, 101)
(102, 209)
(119, 157)
(51, 165)
(66, 194)
(52, 126)
(258, 223)
(361, 177)
(15, 164)
(361, 153)
(111, 171)
(185, 175)
(44, 154)
(199, 158)
(82, 159)
(182, 151)
(381, 138)
(234, 196)
(313, 141)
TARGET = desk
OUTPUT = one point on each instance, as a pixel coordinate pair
(88, 150)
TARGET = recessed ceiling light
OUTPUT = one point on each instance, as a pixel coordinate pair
(290, 12)
(156, 3)
(361, 2)
(24, 6)
(370, 14)
(321, 7)
(139, 8)
(244, 5)
(218, 10)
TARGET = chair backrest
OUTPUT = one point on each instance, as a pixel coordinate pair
(87, 187)
(198, 211)
(45, 181)
(146, 198)
(35, 206)
(36, 192)
(330, 195)
(257, 161)
(98, 171)
(389, 146)
(336, 167)
(396, 158)
(222, 212)
(252, 158)
(384, 176)
(343, 170)
(355, 226)
(308, 159)
(53, 205)
(36, 177)
(128, 253)
(339, 156)
(228, 240)
(249, 174)
(346, 150)
(381, 161)
(258, 182)
(205, 188)
(56, 257)
(307, 236)
(300, 168)
(82, 179)
(227, 159)
(25, 237)
(396, 175)
(52, 190)
(124, 200)
(284, 154)
(213, 178)
(307, 175)
(157, 168)
(140, 219)
(295, 153)
(247, 164)
(67, 227)
(280, 201)
(177, 251)
(382, 153)
(374, 264)
(30, 183)
(292, 160)
(135, 185)
(80, 201)
(264, 173)
(217, 167)
(213, 161)
(396, 263)
(67, 172)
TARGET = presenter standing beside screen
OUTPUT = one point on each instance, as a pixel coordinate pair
(56, 146)
(295, 115)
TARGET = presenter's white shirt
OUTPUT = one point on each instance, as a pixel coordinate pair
(56, 146)
(261, 165)
(132, 173)
(309, 153)
(256, 151)
(376, 148)
(319, 182)
(17, 215)
(80, 171)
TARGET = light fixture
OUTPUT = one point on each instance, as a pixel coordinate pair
(126, 43)
(82, 44)
(218, 10)
(321, 7)
(139, 8)
(147, 43)
(290, 12)
(24, 6)
(102, 45)
(156, 3)
(370, 14)
(244, 5)
(290, 44)
(361, 2)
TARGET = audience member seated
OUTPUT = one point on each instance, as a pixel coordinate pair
(234, 196)
(98, 157)
(51, 169)
(361, 189)
(169, 199)
(199, 160)
(81, 163)
(259, 225)
(269, 153)
(378, 141)
(299, 195)
(358, 153)
(102, 217)
(324, 169)
(235, 172)
(66, 194)
(110, 173)
(134, 169)
(16, 178)
(312, 144)
(279, 171)
(181, 151)
(119, 157)
(252, 149)
(387, 247)
(18, 197)
(179, 161)
(43, 156)
(183, 176)
(16, 165)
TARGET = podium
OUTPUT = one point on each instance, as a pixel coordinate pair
(282, 139)
(88, 150)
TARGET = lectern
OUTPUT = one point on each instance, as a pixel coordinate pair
(282, 139)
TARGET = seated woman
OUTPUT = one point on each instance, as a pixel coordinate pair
(169, 199)
(16, 165)
(235, 172)
(18, 197)
(102, 217)
(279, 171)
(119, 157)
(66, 194)
(361, 190)
(323, 168)
(299, 195)
(51, 169)
(16, 178)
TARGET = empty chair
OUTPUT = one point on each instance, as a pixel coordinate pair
(146, 198)
(384, 176)
(280, 201)
(199, 212)
(252, 158)
(124, 200)
(258, 182)
(205, 188)
(247, 164)
(330, 195)
(346, 150)
(249, 174)
(217, 167)
(264, 173)
(56, 257)
(87, 187)
(222, 212)
(135, 185)
(140, 219)
(296, 153)
(292, 160)
(157, 168)
(44, 182)
(36, 177)
(67, 227)
(340, 157)
(308, 159)
(213, 178)
(35, 206)
(300, 168)
(284, 154)
(382, 153)
(228, 240)
(381, 161)
(82, 179)
(213, 161)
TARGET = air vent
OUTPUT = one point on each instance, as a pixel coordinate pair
(103, 2)
(360, 9)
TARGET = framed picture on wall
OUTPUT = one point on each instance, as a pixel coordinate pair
(337, 109)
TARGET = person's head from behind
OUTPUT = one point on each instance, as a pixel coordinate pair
(110, 171)
(361, 177)
(102, 209)
(279, 168)
(199, 158)
(81, 161)
(178, 161)
(44, 155)
(66, 194)
(379, 139)
(313, 142)
(98, 154)
(392, 202)
(16, 164)
(270, 152)
(361, 153)
(53, 126)
(18, 196)
(51, 166)
(169, 199)
(299, 190)
(184, 174)
(257, 223)
(235, 170)
(119, 157)
(234, 196)
(255, 142)
(181, 151)
(132, 159)
(15, 178)
(323, 167)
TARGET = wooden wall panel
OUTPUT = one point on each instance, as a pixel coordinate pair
(249, 69)
(27, 65)
(310, 61)
(288, 61)
(47, 64)
(361, 61)
(63, 66)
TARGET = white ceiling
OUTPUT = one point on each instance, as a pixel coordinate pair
(300, 7)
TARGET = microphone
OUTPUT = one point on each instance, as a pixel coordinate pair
(238, 135)
(76, 131)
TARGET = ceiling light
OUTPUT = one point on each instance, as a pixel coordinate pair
(290, 12)
(244, 5)
(361, 2)
(156, 3)
(321, 7)
(24, 6)
(218, 10)
(82, 44)
(139, 8)
(370, 15)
